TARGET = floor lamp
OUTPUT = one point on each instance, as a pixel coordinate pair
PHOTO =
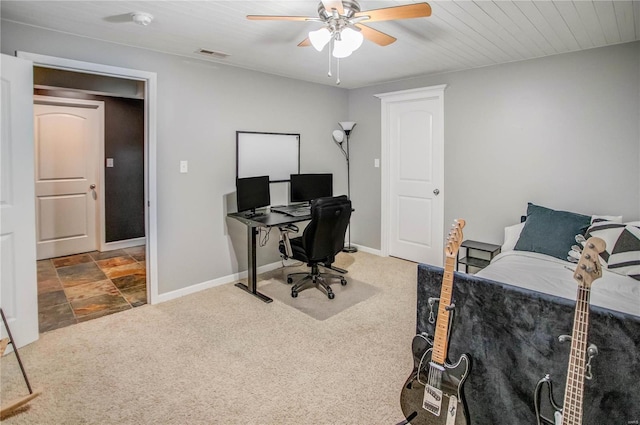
(339, 138)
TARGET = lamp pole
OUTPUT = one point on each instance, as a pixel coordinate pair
(347, 127)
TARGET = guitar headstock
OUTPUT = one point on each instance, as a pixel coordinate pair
(454, 239)
(588, 268)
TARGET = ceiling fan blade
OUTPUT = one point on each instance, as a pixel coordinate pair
(376, 36)
(304, 43)
(417, 10)
(278, 18)
(333, 4)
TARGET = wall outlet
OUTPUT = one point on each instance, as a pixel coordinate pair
(184, 166)
(109, 162)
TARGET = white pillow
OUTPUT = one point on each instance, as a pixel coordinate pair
(614, 218)
(511, 236)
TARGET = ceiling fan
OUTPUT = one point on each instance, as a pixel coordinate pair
(343, 24)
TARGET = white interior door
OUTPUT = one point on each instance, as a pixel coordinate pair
(18, 282)
(414, 131)
(68, 136)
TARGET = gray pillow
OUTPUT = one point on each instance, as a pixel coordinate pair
(551, 232)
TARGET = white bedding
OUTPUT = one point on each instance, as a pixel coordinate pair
(552, 276)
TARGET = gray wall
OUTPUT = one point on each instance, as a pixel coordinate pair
(200, 106)
(560, 131)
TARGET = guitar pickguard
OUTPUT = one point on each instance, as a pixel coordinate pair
(453, 410)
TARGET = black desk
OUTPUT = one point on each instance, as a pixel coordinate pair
(265, 220)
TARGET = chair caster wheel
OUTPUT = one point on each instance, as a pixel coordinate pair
(294, 294)
(331, 295)
(343, 282)
(289, 280)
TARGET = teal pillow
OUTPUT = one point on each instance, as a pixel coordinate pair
(551, 232)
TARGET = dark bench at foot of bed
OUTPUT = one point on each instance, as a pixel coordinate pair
(512, 334)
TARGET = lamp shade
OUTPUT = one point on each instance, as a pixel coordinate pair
(347, 126)
(353, 38)
(341, 49)
(320, 38)
(338, 136)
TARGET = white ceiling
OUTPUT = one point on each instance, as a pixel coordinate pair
(459, 34)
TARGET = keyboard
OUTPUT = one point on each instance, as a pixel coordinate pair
(293, 211)
(299, 212)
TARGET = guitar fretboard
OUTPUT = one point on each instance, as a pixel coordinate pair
(572, 406)
(442, 325)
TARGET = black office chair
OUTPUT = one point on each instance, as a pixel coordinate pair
(321, 240)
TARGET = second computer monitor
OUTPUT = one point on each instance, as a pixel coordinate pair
(307, 187)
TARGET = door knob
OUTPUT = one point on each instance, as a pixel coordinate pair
(436, 192)
(93, 186)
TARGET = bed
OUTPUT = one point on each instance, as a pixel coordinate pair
(508, 318)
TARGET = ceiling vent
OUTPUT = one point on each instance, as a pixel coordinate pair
(213, 53)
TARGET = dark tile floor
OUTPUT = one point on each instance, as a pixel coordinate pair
(82, 287)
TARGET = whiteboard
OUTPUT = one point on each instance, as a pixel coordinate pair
(276, 155)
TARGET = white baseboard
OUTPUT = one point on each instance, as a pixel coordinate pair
(235, 277)
(368, 250)
(112, 246)
(213, 283)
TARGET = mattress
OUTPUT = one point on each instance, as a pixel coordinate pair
(549, 275)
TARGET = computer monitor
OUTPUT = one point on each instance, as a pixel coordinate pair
(307, 187)
(252, 193)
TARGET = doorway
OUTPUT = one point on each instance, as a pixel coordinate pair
(413, 174)
(89, 201)
(142, 256)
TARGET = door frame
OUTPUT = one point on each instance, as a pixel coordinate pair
(385, 152)
(150, 158)
(99, 154)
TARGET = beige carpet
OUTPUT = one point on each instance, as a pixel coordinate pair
(315, 302)
(223, 357)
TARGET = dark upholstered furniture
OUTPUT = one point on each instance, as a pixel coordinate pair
(512, 334)
(321, 240)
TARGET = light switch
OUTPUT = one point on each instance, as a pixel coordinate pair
(376, 163)
(184, 166)
(109, 162)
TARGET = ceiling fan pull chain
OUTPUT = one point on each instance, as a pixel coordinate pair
(329, 73)
(338, 71)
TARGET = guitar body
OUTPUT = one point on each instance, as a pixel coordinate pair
(454, 409)
(543, 410)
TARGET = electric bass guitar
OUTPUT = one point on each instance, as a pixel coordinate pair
(587, 270)
(433, 393)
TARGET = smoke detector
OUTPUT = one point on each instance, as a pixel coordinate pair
(142, 18)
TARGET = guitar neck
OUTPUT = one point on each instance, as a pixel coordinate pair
(572, 406)
(441, 339)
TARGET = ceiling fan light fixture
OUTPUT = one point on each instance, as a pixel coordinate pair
(341, 49)
(320, 38)
(353, 38)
